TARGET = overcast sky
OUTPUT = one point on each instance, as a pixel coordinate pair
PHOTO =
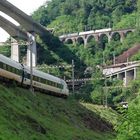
(28, 6)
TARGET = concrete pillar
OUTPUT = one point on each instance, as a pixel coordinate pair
(129, 76)
(114, 76)
(122, 35)
(74, 41)
(109, 38)
(121, 76)
(31, 46)
(14, 50)
(135, 73)
(125, 80)
(85, 43)
(96, 37)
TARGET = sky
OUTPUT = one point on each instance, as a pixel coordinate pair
(27, 6)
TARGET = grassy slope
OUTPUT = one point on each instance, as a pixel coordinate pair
(105, 113)
(39, 117)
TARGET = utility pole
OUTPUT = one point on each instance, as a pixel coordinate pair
(127, 58)
(114, 58)
(106, 104)
(103, 59)
(31, 69)
(73, 76)
(31, 62)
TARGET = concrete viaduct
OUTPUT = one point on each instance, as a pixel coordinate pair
(28, 24)
(84, 37)
(124, 72)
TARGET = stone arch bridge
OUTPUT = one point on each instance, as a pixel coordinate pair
(84, 37)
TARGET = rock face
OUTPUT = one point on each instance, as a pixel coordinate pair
(127, 54)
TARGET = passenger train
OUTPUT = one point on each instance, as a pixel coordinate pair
(12, 70)
(85, 32)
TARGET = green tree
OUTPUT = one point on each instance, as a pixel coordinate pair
(129, 127)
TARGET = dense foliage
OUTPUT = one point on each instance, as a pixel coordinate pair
(129, 127)
(78, 15)
(67, 16)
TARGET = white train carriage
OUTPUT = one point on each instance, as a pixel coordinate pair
(86, 32)
(72, 34)
(68, 35)
(45, 81)
(10, 69)
(103, 30)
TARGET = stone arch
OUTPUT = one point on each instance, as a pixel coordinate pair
(116, 36)
(128, 32)
(69, 41)
(80, 40)
(90, 38)
(103, 39)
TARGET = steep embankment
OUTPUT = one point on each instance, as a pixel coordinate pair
(127, 54)
(40, 117)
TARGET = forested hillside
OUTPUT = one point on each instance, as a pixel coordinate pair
(78, 15)
(68, 16)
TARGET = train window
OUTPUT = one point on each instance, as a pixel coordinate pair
(41, 80)
(48, 82)
(4, 66)
(8, 68)
(1, 64)
(44, 81)
(55, 84)
(51, 83)
(26, 75)
(34, 78)
(13, 70)
(38, 79)
(20, 72)
(60, 86)
(17, 71)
